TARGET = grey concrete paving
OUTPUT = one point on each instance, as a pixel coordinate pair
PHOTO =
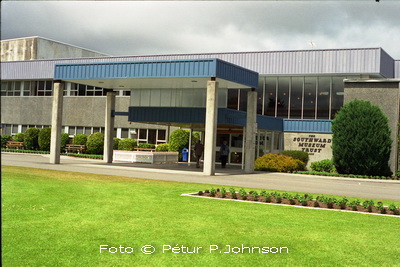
(231, 176)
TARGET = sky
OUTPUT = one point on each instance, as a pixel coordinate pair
(149, 28)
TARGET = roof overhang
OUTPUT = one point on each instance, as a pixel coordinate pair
(157, 74)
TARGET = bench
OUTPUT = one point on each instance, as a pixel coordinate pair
(13, 144)
(74, 148)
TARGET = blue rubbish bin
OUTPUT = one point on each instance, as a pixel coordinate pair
(185, 153)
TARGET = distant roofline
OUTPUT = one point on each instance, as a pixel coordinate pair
(206, 54)
(55, 41)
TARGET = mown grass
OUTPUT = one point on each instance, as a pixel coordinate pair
(53, 218)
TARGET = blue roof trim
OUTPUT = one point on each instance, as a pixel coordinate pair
(157, 69)
(197, 115)
(307, 126)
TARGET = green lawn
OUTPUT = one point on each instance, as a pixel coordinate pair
(53, 218)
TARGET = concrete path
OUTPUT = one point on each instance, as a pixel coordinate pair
(231, 176)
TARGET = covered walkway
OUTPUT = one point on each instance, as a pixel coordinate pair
(209, 74)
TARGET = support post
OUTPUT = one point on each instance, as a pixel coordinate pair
(109, 127)
(56, 122)
(190, 145)
(251, 130)
(210, 128)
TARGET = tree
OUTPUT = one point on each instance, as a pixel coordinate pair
(179, 139)
(44, 138)
(31, 136)
(361, 142)
(95, 143)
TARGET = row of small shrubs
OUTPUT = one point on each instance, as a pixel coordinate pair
(300, 199)
(35, 139)
(287, 161)
(335, 174)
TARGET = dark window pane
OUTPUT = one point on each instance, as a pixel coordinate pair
(259, 91)
(283, 96)
(310, 85)
(142, 133)
(243, 99)
(296, 97)
(324, 88)
(233, 95)
(152, 136)
(161, 135)
(337, 94)
(270, 96)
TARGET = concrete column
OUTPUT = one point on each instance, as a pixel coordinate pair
(109, 127)
(56, 122)
(211, 128)
(251, 130)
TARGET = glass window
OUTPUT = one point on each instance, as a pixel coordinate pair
(161, 135)
(88, 130)
(243, 99)
(260, 93)
(310, 86)
(283, 97)
(324, 88)
(4, 88)
(71, 130)
(126, 93)
(270, 96)
(142, 134)
(79, 130)
(152, 136)
(337, 95)
(233, 98)
(27, 88)
(296, 97)
(237, 140)
(221, 138)
(124, 133)
(17, 88)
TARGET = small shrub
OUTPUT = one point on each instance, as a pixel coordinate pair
(200, 193)
(393, 208)
(316, 204)
(243, 193)
(380, 207)
(80, 139)
(64, 141)
(4, 139)
(95, 143)
(146, 145)
(127, 144)
(162, 148)
(278, 163)
(297, 154)
(213, 192)
(368, 204)
(354, 204)
(233, 193)
(325, 165)
(44, 139)
(19, 137)
(115, 143)
(342, 202)
(255, 195)
(223, 192)
(31, 136)
(207, 191)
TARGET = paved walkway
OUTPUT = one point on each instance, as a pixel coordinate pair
(231, 176)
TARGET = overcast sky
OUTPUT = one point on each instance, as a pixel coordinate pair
(144, 28)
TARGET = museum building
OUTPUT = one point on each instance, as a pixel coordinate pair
(296, 93)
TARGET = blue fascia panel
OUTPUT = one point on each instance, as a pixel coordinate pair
(157, 69)
(307, 126)
(136, 69)
(197, 115)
